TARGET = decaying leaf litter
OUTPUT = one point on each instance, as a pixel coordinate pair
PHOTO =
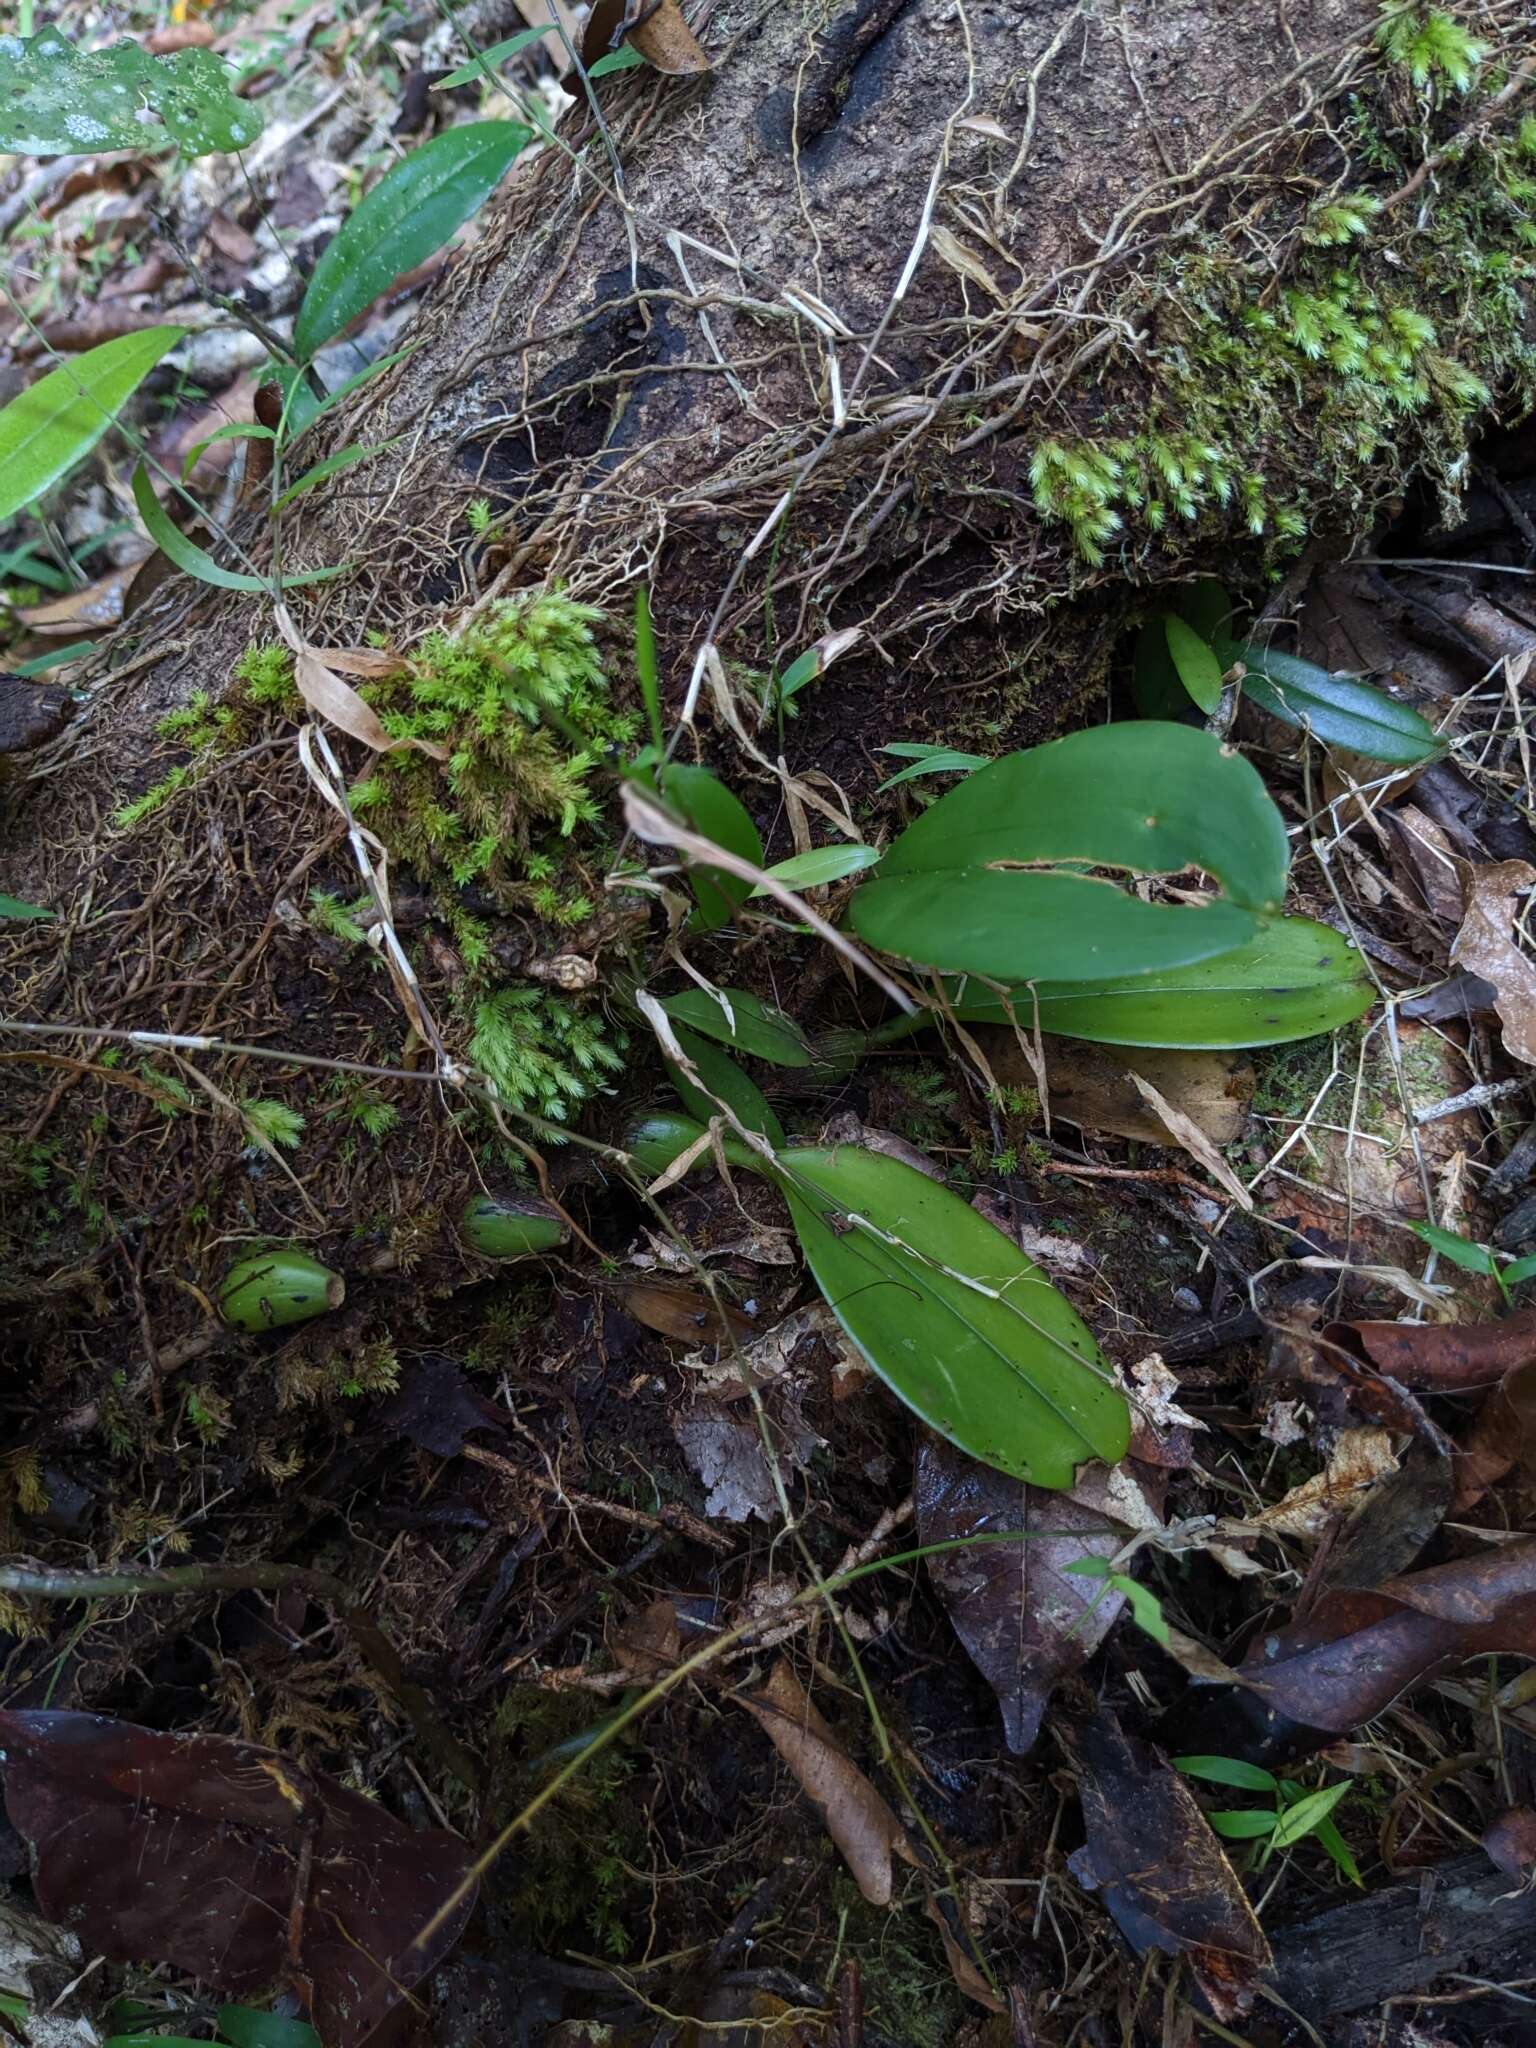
(595, 1505)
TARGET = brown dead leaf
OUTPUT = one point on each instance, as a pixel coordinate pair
(1089, 1086)
(1502, 1437)
(372, 663)
(98, 605)
(180, 35)
(1428, 856)
(665, 41)
(866, 1831)
(1186, 1132)
(1511, 1842)
(336, 701)
(1486, 946)
(1359, 1461)
(1163, 1874)
(1025, 1620)
(684, 1313)
(1442, 1358)
(231, 240)
(650, 1643)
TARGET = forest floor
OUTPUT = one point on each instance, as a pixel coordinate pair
(547, 1568)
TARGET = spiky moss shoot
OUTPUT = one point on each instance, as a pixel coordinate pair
(521, 699)
(1299, 373)
(540, 1053)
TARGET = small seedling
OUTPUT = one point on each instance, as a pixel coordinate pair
(1294, 1814)
(1502, 1268)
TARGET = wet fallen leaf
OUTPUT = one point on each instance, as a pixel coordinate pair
(649, 1643)
(1486, 945)
(1163, 1874)
(866, 1831)
(336, 701)
(1442, 1358)
(731, 1461)
(1511, 1842)
(230, 1862)
(1502, 1437)
(436, 1407)
(1357, 1651)
(1025, 1621)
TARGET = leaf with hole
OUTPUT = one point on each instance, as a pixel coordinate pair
(56, 100)
(960, 1325)
(743, 1022)
(407, 216)
(196, 561)
(1293, 979)
(821, 865)
(1195, 663)
(1339, 711)
(989, 880)
(47, 428)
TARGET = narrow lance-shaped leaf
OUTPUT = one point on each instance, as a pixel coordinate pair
(742, 1021)
(196, 561)
(1340, 711)
(1198, 668)
(989, 880)
(411, 212)
(46, 429)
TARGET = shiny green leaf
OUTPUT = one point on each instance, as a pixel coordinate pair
(1461, 1251)
(1238, 1825)
(408, 215)
(616, 60)
(988, 880)
(1340, 711)
(656, 1141)
(1226, 1770)
(56, 100)
(822, 864)
(725, 1081)
(1293, 979)
(954, 1318)
(483, 65)
(46, 429)
(1198, 668)
(747, 1025)
(237, 430)
(703, 801)
(244, 2027)
(929, 761)
(1304, 1816)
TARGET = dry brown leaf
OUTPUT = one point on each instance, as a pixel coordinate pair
(99, 604)
(369, 662)
(951, 250)
(684, 1313)
(1186, 1132)
(1428, 854)
(665, 41)
(965, 1973)
(983, 124)
(1359, 1461)
(1090, 1087)
(650, 1643)
(180, 35)
(1486, 945)
(336, 701)
(865, 1830)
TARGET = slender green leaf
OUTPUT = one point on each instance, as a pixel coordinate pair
(953, 1316)
(12, 906)
(749, 1025)
(344, 458)
(12, 2007)
(301, 408)
(1461, 1251)
(1299, 1820)
(1340, 711)
(985, 882)
(929, 761)
(483, 65)
(1239, 1825)
(237, 430)
(805, 668)
(1226, 1770)
(648, 668)
(615, 60)
(46, 429)
(244, 2027)
(724, 1079)
(1293, 979)
(411, 212)
(1155, 686)
(1329, 1838)
(1520, 1269)
(56, 657)
(822, 864)
(703, 801)
(1198, 668)
(196, 561)
(56, 100)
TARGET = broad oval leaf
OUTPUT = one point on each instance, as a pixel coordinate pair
(408, 215)
(705, 803)
(988, 880)
(1340, 711)
(821, 865)
(954, 1318)
(723, 1079)
(1238, 1824)
(46, 429)
(748, 1025)
(56, 100)
(1294, 979)
(1198, 668)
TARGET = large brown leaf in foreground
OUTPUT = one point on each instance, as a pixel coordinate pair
(1162, 1873)
(1357, 1651)
(230, 1862)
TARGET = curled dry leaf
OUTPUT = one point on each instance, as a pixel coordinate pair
(1511, 1842)
(98, 605)
(663, 38)
(1359, 1461)
(1357, 1651)
(1025, 1620)
(867, 1833)
(336, 701)
(1502, 1437)
(1442, 1358)
(190, 1850)
(1186, 1132)
(1486, 945)
(1088, 1085)
(1163, 1874)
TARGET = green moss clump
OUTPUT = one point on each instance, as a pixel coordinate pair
(1300, 370)
(540, 1052)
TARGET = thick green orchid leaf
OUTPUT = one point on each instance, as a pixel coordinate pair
(56, 100)
(1340, 711)
(742, 1022)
